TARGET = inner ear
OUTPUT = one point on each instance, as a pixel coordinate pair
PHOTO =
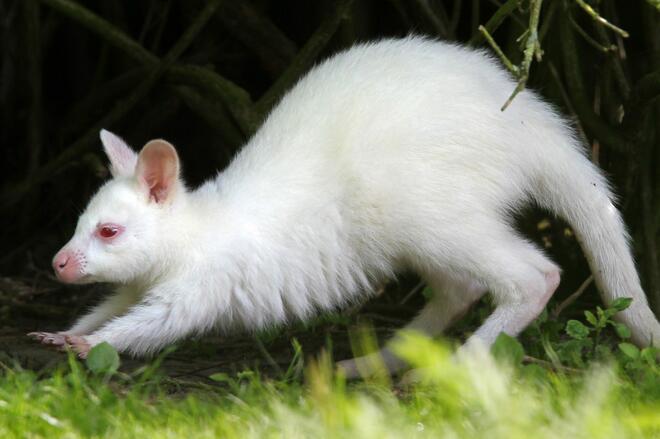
(158, 170)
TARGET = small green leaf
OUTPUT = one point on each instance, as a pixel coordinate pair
(245, 374)
(103, 359)
(534, 372)
(591, 318)
(571, 351)
(577, 330)
(630, 350)
(622, 330)
(621, 303)
(650, 354)
(219, 377)
(508, 348)
(610, 312)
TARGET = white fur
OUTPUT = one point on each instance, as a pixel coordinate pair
(390, 155)
(123, 159)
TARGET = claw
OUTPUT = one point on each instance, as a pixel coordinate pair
(37, 335)
(48, 338)
(78, 344)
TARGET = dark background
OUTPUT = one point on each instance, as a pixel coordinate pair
(69, 68)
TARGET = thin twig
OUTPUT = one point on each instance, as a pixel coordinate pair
(532, 360)
(531, 49)
(514, 18)
(548, 17)
(596, 16)
(572, 298)
(505, 60)
(416, 289)
(593, 43)
(615, 59)
(596, 126)
(267, 356)
(494, 22)
(385, 319)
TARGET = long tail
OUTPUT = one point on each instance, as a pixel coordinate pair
(577, 190)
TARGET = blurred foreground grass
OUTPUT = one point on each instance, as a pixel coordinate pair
(473, 397)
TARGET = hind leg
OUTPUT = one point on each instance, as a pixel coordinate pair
(519, 277)
(521, 280)
(450, 301)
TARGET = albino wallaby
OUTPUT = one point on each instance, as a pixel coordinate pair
(387, 156)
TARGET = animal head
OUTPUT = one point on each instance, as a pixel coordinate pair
(121, 229)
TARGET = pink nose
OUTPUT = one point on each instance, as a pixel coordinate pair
(67, 268)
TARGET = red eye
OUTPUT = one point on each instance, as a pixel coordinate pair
(108, 231)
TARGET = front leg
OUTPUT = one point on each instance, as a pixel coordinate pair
(112, 306)
(161, 319)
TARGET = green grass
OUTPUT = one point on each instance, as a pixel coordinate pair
(472, 397)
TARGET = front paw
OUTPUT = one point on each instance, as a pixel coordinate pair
(57, 339)
(78, 344)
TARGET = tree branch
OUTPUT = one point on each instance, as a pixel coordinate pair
(305, 58)
(33, 47)
(645, 91)
(234, 97)
(592, 123)
(258, 33)
(12, 193)
(213, 113)
(105, 30)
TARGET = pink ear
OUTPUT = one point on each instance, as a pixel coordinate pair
(158, 170)
(122, 158)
